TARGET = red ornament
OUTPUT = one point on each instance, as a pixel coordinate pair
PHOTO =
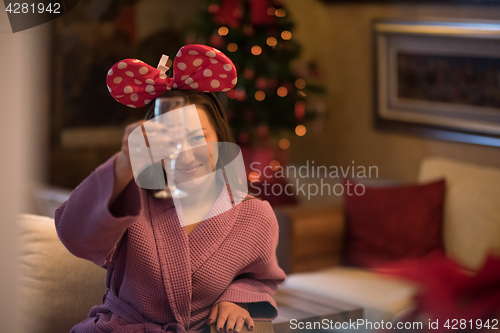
(261, 83)
(300, 110)
(230, 13)
(241, 95)
(216, 41)
(213, 8)
(244, 137)
(263, 131)
(231, 94)
(248, 73)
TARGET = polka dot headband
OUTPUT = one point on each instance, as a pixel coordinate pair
(196, 67)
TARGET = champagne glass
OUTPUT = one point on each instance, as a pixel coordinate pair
(170, 112)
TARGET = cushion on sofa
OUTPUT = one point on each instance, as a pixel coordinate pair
(380, 296)
(390, 223)
(57, 288)
(471, 225)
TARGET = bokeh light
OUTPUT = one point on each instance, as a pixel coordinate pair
(271, 41)
(260, 95)
(300, 130)
(282, 91)
(253, 176)
(256, 50)
(223, 31)
(284, 144)
(275, 165)
(300, 83)
(286, 35)
(280, 12)
(232, 47)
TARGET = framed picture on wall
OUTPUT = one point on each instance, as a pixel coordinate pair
(439, 79)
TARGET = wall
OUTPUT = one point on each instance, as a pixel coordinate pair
(23, 105)
(338, 37)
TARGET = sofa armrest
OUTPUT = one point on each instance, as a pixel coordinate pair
(310, 237)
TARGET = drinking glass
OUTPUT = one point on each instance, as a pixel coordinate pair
(170, 112)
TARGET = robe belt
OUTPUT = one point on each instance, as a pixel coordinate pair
(136, 321)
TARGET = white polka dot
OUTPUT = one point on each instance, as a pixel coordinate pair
(227, 67)
(137, 81)
(206, 91)
(215, 84)
(163, 76)
(193, 52)
(119, 96)
(213, 61)
(147, 101)
(134, 97)
(117, 80)
(131, 106)
(179, 54)
(128, 90)
(110, 72)
(150, 88)
(168, 88)
(194, 85)
(184, 77)
(149, 81)
(217, 50)
(122, 65)
(137, 60)
(234, 80)
(109, 89)
(197, 62)
(129, 73)
(143, 70)
(152, 93)
(223, 75)
(210, 53)
(226, 89)
(207, 72)
(175, 86)
(182, 66)
(189, 81)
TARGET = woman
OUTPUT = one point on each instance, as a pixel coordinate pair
(162, 276)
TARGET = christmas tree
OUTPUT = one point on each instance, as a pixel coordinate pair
(257, 36)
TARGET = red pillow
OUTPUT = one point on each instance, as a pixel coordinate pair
(392, 223)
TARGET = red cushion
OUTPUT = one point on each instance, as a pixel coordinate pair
(392, 223)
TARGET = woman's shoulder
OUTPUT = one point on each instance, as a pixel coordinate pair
(258, 212)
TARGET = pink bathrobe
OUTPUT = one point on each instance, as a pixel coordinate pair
(160, 279)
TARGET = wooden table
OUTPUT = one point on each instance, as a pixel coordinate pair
(308, 307)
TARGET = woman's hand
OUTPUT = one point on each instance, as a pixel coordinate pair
(231, 314)
(123, 168)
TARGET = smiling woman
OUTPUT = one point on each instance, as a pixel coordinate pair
(177, 265)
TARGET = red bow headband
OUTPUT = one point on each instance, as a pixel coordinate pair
(198, 67)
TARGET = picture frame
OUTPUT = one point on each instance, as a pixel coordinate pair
(440, 80)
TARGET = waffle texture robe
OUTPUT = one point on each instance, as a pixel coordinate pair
(159, 278)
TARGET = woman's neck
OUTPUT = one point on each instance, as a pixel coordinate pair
(205, 193)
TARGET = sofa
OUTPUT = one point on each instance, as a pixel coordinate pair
(58, 289)
(310, 248)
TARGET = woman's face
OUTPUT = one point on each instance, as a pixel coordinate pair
(199, 154)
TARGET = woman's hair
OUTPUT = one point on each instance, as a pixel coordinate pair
(218, 119)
